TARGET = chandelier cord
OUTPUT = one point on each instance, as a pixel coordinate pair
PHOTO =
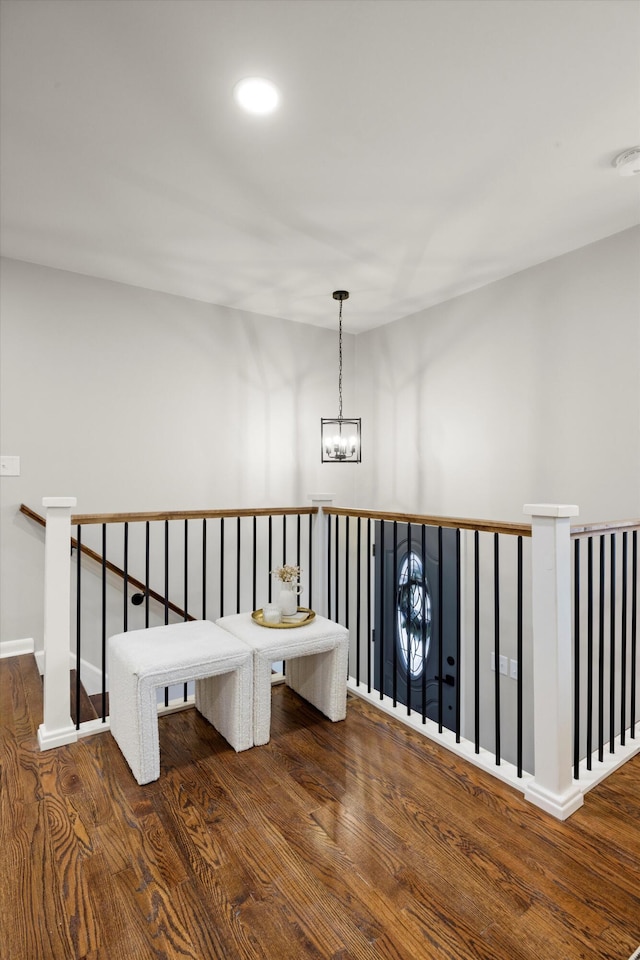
(340, 364)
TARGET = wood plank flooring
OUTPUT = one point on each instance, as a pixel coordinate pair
(351, 840)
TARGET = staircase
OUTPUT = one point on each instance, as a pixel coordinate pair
(90, 708)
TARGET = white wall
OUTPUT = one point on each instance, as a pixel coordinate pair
(135, 400)
(527, 390)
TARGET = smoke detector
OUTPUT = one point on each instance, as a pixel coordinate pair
(628, 162)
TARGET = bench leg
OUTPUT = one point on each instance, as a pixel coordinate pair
(321, 678)
(261, 699)
(134, 723)
(225, 700)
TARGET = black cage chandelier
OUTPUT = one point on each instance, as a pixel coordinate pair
(340, 437)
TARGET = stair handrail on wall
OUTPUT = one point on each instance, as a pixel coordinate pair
(111, 567)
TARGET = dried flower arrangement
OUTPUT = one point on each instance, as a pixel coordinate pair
(287, 573)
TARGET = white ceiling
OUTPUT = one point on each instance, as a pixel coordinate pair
(423, 148)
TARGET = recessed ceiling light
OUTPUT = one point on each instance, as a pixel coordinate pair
(628, 163)
(257, 95)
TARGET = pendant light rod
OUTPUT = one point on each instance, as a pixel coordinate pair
(340, 295)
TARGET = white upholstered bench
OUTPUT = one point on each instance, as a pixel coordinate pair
(140, 661)
(316, 665)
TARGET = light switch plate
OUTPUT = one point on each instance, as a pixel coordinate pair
(9, 466)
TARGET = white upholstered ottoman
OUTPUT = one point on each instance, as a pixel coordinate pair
(140, 661)
(316, 657)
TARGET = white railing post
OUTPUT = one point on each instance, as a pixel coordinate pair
(319, 575)
(57, 727)
(552, 788)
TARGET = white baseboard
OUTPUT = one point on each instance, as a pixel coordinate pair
(16, 648)
(91, 676)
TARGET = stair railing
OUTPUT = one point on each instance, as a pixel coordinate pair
(279, 543)
(339, 583)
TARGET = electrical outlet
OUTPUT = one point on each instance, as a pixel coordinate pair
(503, 664)
(513, 669)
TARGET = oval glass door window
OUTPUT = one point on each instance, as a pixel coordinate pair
(413, 610)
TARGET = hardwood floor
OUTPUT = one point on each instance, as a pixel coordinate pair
(351, 840)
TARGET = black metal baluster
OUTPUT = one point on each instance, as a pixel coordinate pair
(425, 599)
(254, 565)
(104, 623)
(394, 639)
(476, 640)
(496, 628)
(311, 561)
(166, 572)
(329, 566)
(337, 555)
(458, 632)
(440, 631)
(381, 640)
(284, 554)
(147, 553)
(222, 566)
(238, 563)
(186, 568)
(298, 539)
(125, 614)
(519, 647)
(409, 634)
(284, 538)
(166, 591)
(589, 651)
(358, 592)
(204, 568)
(601, 655)
(623, 644)
(346, 572)
(612, 647)
(576, 658)
(78, 621)
(634, 628)
(270, 548)
(368, 605)
(186, 587)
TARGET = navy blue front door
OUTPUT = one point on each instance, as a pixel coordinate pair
(407, 618)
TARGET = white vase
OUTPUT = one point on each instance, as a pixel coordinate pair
(288, 598)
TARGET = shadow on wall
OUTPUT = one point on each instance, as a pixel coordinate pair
(449, 412)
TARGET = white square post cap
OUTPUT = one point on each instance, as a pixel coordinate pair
(551, 509)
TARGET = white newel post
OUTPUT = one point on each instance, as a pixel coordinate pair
(552, 788)
(57, 727)
(319, 573)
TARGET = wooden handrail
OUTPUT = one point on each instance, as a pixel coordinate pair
(85, 518)
(604, 526)
(484, 526)
(93, 555)
(28, 512)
